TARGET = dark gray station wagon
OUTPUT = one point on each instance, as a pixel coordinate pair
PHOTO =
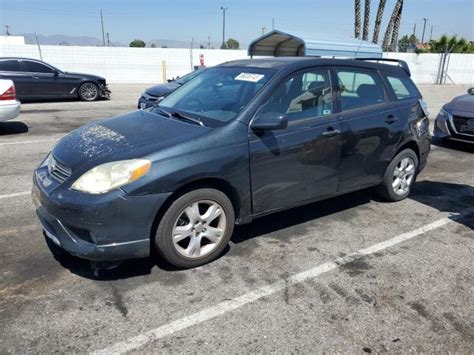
(241, 140)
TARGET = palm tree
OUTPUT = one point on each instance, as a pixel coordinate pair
(396, 28)
(365, 33)
(357, 18)
(391, 24)
(378, 21)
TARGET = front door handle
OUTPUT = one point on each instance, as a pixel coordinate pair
(35, 77)
(331, 132)
(391, 119)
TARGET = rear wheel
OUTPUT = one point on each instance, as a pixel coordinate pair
(88, 92)
(196, 228)
(399, 176)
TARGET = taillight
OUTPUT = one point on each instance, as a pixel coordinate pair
(9, 94)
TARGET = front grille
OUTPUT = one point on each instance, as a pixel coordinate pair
(57, 170)
(464, 125)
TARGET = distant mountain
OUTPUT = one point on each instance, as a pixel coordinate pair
(62, 39)
(169, 43)
(93, 41)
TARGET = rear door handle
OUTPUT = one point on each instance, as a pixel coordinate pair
(331, 132)
(391, 119)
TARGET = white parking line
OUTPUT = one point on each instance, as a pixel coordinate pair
(33, 141)
(235, 303)
(17, 194)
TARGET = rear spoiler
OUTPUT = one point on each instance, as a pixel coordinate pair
(401, 63)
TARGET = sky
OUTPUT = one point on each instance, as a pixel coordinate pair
(185, 19)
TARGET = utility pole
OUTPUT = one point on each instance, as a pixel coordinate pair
(424, 28)
(102, 23)
(431, 33)
(414, 30)
(263, 30)
(209, 42)
(7, 30)
(223, 25)
(273, 24)
(108, 40)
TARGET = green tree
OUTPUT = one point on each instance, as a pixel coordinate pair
(153, 45)
(232, 44)
(407, 41)
(452, 43)
(137, 43)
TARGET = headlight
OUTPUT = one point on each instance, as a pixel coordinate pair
(109, 176)
(444, 114)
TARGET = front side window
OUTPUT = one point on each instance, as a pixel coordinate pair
(219, 94)
(305, 94)
(359, 88)
(35, 67)
(9, 65)
(403, 88)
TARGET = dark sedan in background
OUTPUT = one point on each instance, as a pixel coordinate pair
(37, 80)
(160, 91)
(455, 121)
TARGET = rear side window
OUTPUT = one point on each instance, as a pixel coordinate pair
(9, 65)
(403, 88)
(360, 88)
(36, 67)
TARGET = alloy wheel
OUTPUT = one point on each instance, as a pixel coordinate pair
(403, 176)
(89, 91)
(199, 229)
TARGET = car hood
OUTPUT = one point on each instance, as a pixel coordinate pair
(461, 105)
(84, 76)
(163, 89)
(128, 136)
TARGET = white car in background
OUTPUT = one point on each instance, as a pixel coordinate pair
(9, 105)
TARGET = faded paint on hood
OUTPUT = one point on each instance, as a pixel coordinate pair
(128, 136)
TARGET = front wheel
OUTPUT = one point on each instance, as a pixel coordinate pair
(88, 92)
(399, 176)
(196, 228)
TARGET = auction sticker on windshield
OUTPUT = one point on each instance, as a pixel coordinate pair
(252, 77)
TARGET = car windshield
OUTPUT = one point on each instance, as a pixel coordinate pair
(217, 95)
(189, 76)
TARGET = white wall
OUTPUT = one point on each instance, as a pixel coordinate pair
(143, 65)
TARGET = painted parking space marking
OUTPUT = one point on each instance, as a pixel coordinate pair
(224, 307)
(16, 194)
(29, 142)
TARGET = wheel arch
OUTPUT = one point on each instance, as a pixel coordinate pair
(413, 145)
(208, 182)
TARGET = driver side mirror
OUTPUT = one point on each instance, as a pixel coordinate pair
(269, 121)
(470, 91)
(55, 73)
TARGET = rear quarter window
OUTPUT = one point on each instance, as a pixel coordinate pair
(403, 88)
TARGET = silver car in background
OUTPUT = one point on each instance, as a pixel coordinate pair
(455, 120)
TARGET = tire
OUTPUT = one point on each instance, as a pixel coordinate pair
(88, 92)
(390, 189)
(182, 234)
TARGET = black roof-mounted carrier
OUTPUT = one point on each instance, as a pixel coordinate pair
(401, 63)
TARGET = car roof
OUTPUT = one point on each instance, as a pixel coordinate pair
(21, 58)
(279, 63)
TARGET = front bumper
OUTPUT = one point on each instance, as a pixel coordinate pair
(104, 91)
(109, 227)
(444, 129)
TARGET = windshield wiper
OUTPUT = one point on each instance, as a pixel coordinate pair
(187, 118)
(161, 111)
